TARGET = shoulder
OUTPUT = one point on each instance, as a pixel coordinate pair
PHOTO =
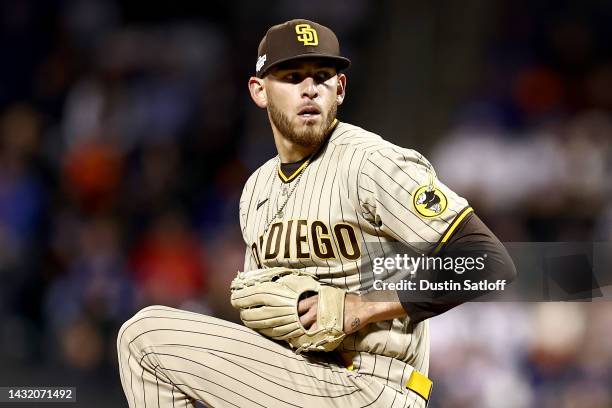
(260, 175)
(262, 172)
(251, 190)
(374, 147)
(354, 137)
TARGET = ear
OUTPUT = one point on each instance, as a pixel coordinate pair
(258, 92)
(341, 88)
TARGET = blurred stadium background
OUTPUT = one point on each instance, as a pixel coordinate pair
(126, 132)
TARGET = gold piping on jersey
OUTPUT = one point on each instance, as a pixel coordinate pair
(287, 179)
(452, 228)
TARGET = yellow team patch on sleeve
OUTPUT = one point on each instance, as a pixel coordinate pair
(429, 201)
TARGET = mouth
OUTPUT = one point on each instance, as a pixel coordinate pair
(309, 111)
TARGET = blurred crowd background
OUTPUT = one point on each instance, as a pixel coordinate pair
(126, 133)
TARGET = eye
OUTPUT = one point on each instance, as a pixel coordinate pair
(322, 76)
(293, 77)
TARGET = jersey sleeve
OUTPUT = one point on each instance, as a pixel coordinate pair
(249, 260)
(401, 195)
(243, 214)
(243, 211)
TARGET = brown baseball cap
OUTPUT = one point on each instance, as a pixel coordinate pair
(298, 39)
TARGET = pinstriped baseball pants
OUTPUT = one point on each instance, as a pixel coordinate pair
(173, 358)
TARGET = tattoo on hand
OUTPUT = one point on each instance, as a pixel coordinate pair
(355, 324)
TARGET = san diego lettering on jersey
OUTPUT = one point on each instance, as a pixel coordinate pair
(306, 239)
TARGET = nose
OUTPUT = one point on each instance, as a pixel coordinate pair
(309, 89)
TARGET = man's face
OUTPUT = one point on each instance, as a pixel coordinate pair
(303, 98)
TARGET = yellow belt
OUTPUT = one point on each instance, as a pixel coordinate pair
(417, 383)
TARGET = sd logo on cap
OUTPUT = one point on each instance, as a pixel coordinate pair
(298, 39)
(306, 34)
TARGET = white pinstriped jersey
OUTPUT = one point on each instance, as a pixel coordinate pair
(359, 188)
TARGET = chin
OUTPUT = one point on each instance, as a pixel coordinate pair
(302, 127)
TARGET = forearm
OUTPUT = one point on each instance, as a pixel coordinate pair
(358, 312)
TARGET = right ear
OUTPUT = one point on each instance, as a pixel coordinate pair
(258, 92)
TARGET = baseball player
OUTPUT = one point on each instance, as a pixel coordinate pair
(308, 217)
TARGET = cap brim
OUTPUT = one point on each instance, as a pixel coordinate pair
(340, 63)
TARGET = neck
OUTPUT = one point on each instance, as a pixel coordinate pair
(290, 152)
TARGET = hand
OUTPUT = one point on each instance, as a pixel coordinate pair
(357, 312)
(307, 310)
